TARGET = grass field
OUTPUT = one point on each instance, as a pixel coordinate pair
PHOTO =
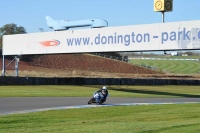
(87, 91)
(183, 118)
(177, 57)
(126, 119)
(174, 66)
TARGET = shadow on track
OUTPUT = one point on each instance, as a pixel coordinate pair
(148, 92)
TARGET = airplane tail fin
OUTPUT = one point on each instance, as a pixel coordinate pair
(50, 21)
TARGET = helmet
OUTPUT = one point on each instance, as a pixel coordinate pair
(104, 88)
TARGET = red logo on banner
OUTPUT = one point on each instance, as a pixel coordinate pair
(50, 43)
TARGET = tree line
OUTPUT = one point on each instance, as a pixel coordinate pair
(10, 29)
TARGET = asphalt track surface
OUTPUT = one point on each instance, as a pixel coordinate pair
(18, 105)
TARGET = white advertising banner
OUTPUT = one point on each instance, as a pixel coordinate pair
(150, 37)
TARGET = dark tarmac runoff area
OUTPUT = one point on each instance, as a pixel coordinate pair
(32, 104)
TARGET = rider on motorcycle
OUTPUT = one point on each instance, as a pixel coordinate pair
(104, 92)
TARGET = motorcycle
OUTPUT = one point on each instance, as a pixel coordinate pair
(96, 96)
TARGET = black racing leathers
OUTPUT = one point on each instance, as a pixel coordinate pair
(104, 95)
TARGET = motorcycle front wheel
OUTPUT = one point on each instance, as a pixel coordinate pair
(91, 101)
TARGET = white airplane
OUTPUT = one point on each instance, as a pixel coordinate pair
(58, 25)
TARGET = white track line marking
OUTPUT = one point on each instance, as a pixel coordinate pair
(88, 106)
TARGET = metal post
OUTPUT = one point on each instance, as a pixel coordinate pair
(16, 66)
(163, 17)
(3, 66)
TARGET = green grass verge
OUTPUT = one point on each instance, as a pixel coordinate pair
(176, 57)
(87, 91)
(174, 66)
(135, 119)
